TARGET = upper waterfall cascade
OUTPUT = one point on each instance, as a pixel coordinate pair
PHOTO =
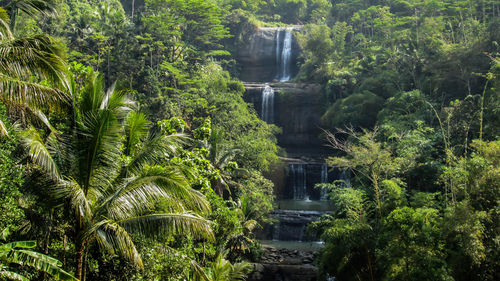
(271, 53)
(284, 58)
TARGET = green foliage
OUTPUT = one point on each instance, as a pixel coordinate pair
(20, 253)
(11, 178)
(242, 128)
(256, 195)
(359, 110)
(474, 186)
(184, 27)
(27, 65)
(411, 246)
(222, 270)
(377, 232)
(424, 198)
(112, 181)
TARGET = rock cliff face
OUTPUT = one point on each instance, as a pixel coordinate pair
(297, 110)
(285, 265)
(260, 57)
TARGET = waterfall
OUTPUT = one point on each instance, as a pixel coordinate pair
(267, 111)
(276, 231)
(298, 176)
(344, 177)
(278, 53)
(286, 56)
(324, 173)
(324, 179)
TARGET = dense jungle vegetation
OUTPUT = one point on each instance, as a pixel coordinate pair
(127, 151)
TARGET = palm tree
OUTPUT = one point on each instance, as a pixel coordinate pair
(222, 270)
(20, 253)
(221, 158)
(21, 59)
(240, 242)
(30, 7)
(109, 174)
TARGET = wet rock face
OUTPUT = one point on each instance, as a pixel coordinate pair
(290, 225)
(258, 59)
(285, 265)
(297, 110)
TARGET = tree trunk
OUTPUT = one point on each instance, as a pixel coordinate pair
(370, 267)
(133, 9)
(84, 268)
(377, 193)
(80, 256)
(13, 14)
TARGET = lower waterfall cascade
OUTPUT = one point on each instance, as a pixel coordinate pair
(267, 110)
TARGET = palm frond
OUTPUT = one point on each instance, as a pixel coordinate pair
(117, 102)
(136, 129)
(167, 177)
(100, 149)
(5, 33)
(155, 148)
(174, 183)
(33, 7)
(225, 156)
(37, 54)
(78, 200)
(37, 117)
(3, 130)
(14, 90)
(199, 273)
(92, 94)
(4, 233)
(70, 190)
(173, 223)
(240, 271)
(197, 201)
(221, 268)
(132, 202)
(115, 239)
(39, 153)
(40, 262)
(11, 275)
(250, 225)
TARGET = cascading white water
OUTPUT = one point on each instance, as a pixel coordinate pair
(324, 179)
(278, 53)
(267, 111)
(298, 175)
(276, 231)
(286, 56)
(324, 173)
(344, 177)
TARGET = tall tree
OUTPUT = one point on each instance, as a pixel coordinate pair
(108, 171)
